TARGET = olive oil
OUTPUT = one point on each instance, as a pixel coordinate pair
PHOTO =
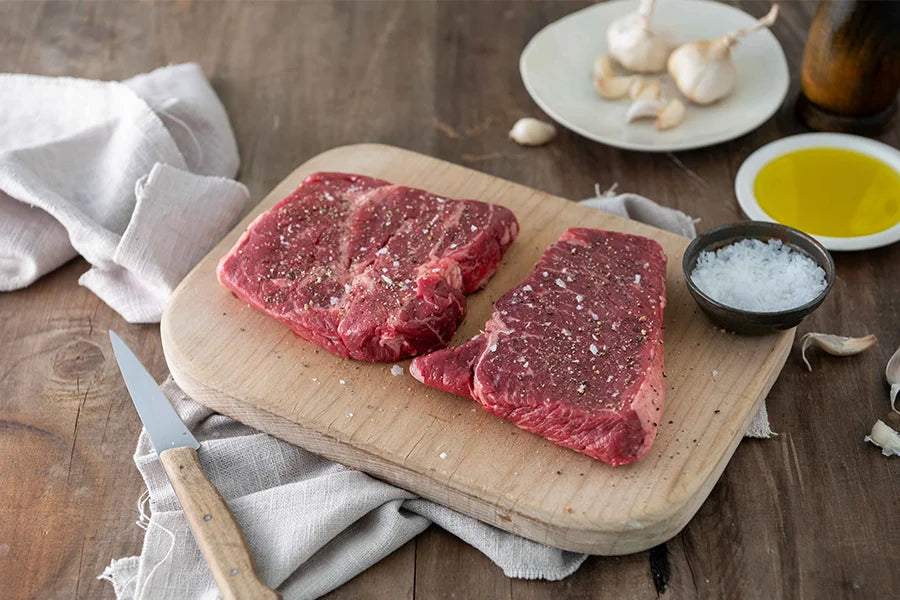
(830, 192)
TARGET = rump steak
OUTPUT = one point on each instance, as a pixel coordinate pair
(366, 269)
(574, 353)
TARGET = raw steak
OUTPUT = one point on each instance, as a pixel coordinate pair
(366, 269)
(575, 352)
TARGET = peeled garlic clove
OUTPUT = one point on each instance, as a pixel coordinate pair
(671, 115)
(634, 44)
(603, 67)
(885, 438)
(703, 71)
(642, 88)
(643, 108)
(532, 132)
(837, 345)
(612, 87)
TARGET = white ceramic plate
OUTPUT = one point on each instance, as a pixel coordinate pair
(556, 69)
(743, 183)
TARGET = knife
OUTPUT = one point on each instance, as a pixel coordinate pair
(217, 533)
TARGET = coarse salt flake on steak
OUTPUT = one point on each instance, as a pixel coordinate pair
(366, 269)
(574, 353)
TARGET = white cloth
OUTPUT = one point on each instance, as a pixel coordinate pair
(311, 524)
(131, 175)
(633, 206)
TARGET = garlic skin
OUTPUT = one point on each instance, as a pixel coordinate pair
(703, 70)
(635, 45)
(836, 345)
(532, 132)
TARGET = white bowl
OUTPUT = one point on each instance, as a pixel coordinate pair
(556, 69)
(743, 183)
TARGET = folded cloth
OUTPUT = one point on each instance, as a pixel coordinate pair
(311, 524)
(133, 176)
(633, 206)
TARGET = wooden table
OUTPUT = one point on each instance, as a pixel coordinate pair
(812, 513)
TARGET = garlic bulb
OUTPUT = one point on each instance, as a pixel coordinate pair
(635, 45)
(836, 345)
(703, 70)
(532, 132)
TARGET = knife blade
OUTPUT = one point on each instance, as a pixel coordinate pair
(165, 428)
(217, 533)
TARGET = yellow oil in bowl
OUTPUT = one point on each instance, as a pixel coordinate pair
(830, 192)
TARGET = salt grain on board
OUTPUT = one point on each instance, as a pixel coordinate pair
(396, 370)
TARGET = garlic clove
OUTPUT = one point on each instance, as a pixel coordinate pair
(603, 67)
(636, 46)
(532, 132)
(642, 88)
(836, 345)
(892, 369)
(671, 115)
(885, 438)
(703, 70)
(643, 108)
(892, 374)
(612, 87)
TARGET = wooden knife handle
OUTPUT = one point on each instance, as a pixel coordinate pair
(218, 534)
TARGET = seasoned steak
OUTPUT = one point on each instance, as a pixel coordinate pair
(366, 269)
(575, 352)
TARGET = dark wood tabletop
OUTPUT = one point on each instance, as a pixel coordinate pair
(812, 513)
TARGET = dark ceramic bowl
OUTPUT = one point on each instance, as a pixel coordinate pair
(745, 321)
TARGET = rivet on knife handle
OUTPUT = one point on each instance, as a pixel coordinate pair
(218, 534)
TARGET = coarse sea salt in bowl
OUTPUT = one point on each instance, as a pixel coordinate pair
(757, 277)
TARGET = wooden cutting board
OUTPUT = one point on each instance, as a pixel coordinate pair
(248, 366)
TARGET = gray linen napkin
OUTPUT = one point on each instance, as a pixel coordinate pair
(131, 175)
(311, 524)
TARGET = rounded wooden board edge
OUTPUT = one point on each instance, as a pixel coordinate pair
(577, 534)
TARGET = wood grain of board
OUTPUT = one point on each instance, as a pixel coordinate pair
(248, 366)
